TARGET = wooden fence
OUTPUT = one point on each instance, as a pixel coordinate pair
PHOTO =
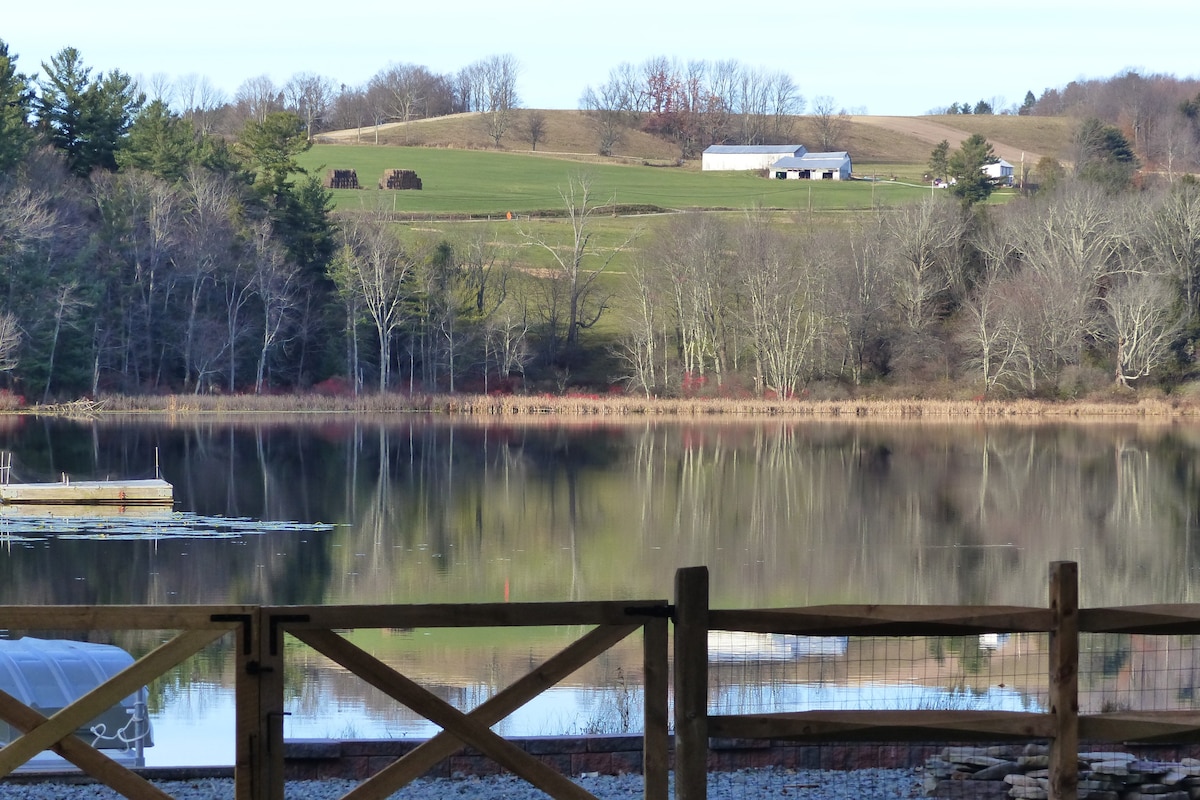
(259, 683)
(1061, 723)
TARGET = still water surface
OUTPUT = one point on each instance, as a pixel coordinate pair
(406, 509)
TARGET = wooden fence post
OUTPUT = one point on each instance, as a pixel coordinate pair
(259, 701)
(655, 741)
(691, 683)
(247, 770)
(1064, 680)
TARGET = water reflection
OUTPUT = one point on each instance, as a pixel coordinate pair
(415, 510)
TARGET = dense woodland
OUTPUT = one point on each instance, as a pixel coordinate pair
(162, 239)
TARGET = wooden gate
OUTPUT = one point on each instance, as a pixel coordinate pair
(259, 684)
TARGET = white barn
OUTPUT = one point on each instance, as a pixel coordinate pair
(814, 166)
(1001, 171)
(747, 157)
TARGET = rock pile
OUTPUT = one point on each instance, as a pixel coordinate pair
(1022, 772)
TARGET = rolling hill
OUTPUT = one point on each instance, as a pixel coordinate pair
(869, 139)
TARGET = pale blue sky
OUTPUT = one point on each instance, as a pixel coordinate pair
(881, 56)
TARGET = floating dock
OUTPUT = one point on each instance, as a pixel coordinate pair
(148, 492)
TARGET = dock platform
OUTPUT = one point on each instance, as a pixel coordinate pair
(148, 492)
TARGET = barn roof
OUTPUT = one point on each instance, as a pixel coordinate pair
(754, 149)
(813, 161)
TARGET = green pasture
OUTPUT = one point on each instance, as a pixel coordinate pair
(495, 183)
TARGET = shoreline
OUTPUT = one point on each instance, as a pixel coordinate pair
(620, 407)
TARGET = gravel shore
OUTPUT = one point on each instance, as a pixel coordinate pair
(877, 784)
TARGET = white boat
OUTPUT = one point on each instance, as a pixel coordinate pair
(49, 674)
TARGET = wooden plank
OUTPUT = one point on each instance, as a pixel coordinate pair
(433, 708)
(120, 617)
(1183, 618)
(1141, 726)
(691, 683)
(885, 620)
(126, 682)
(81, 754)
(1064, 680)
(884, 726)
(474, 615)
(656, 740)
(155, 492)
(418, 761)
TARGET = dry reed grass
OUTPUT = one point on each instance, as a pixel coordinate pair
(637, 407)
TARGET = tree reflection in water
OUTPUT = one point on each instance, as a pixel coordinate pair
(783, 513)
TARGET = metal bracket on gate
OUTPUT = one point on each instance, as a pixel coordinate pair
(275, 621)
(665, 611)
(247, 622)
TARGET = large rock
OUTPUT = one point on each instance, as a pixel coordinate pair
(996, 772)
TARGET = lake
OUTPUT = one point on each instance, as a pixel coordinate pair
(413, 509)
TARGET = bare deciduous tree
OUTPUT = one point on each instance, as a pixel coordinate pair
(372, 269)
(405, 92)
(608, 107)
(1071, 239)
(860, 297)
(1145, 322)
(638, 348)
(67, 307)
(310, 97)
(926, 240)
(10, 342)
(995, 336)
(494, 92)
(257, 97)
(695, 283)
(200, 100)
(829, 124)
(578, 265)
(276, 283)
(26, 218)
(1171, 228)
(535, 127)
(781, 287)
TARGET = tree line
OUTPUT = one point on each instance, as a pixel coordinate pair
(142, 254)
(1054, 295)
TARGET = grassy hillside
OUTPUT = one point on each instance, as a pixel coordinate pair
(1049, 136)
(477, 182)
(569, 135)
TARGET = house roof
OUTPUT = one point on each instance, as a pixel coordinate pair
(754, 149)
(813, 161)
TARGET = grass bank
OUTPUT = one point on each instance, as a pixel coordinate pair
(622, 407)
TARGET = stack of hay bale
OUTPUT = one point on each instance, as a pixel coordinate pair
(399, 179)
(341, 179)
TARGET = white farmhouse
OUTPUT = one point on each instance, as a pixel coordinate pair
(814, 166)
(1001, 172)
(747, 157)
